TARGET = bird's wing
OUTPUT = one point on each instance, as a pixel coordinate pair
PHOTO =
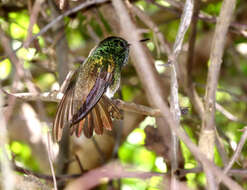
(91, 111)
(64, 110)
(91, 116)
(112, 108)
(104, 79)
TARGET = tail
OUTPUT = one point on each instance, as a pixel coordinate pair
(99, 118)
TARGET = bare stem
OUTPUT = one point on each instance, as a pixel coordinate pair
(55, 96)
(207, 137)
(237, 151)
(175, 109)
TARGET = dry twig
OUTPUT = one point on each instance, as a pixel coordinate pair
(188, 86)
(237, 151)
(175, 110)
(56, 96)
(33, 18)
(207, 136)
(110, 171)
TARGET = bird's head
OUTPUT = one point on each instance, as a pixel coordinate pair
(116, 47)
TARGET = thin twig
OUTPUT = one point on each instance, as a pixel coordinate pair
(236, 154)
(98, 148)
(33, 18)
(45, 176)
(221, 149)
(172, 59)
(181, 173)
(188, 85)
(50, 160)
(113, 170)
(227, 114)
(79, 163)
(56, 96)
(237, 151)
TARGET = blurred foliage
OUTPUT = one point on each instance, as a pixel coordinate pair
(23, 154)
(231, 94)
(5, 69)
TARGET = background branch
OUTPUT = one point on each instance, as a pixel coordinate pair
(207, 137)
(56, 96)
(174, 101)
(8, 179)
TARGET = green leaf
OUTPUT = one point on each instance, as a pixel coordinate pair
(5, 69)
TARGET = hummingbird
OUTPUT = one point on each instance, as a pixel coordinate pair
(84, 106)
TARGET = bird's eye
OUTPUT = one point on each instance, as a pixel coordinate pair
(121, 44)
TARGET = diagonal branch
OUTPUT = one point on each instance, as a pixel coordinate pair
(33, 18)
(237, 151)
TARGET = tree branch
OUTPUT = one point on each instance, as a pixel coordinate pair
(172, 59)
(113, 170)
(8, 178)
(237, 151)
(207, 137)
(56, 96)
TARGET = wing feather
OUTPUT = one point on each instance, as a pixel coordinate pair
(89, 111)
(63, 111)
(112, 108)
(88, 126)
(93, 97)
(80, 127)
(105, 116)
(98, 125)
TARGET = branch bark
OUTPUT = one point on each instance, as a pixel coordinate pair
(175, 110)
(207, 136)
(56, 96)
(8, 178)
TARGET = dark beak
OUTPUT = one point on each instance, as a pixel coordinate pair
(144, 40)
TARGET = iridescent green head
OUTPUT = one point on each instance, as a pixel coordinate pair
(116, 47)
